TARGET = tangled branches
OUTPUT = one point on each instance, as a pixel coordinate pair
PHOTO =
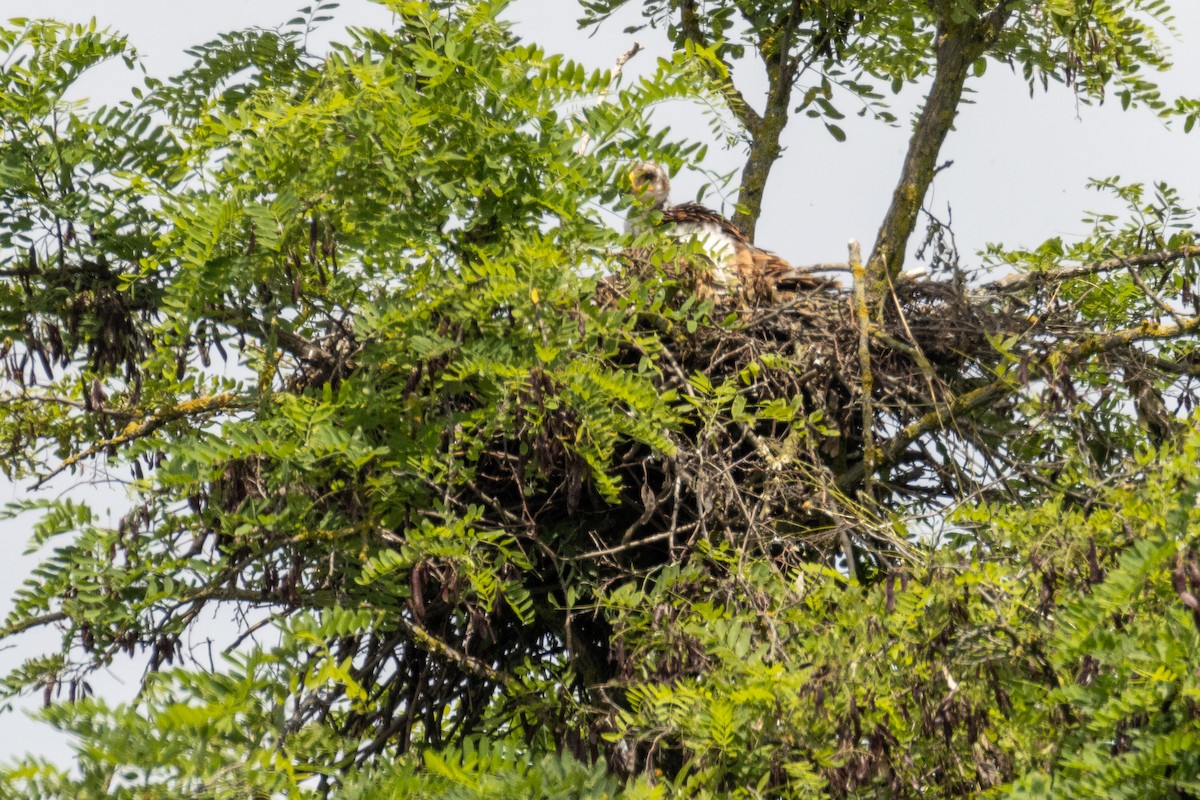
(967, 391)
(487, 538)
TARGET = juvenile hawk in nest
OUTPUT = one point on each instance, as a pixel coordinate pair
(736, 267)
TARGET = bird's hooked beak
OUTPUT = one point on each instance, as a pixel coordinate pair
(644, 183)
(638, 180)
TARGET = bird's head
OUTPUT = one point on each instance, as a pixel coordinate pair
(650, 184)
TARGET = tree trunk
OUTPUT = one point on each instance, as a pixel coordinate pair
(764, 151)
(958, 46)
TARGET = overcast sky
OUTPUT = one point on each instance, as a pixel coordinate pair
(1019, 173)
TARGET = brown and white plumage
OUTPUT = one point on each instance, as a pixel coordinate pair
(738, 267)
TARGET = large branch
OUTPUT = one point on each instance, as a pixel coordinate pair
(765, 136)
(764, 152)
(139, 429)
(958, 46)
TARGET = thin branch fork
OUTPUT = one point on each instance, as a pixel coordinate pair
(140, 429)
(1163, 305)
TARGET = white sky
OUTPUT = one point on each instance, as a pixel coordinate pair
(1019, 173)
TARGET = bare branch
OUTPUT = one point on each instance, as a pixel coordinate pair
(26, 397)
(586, 139)
(33, 622)
(430, 643)
(292, 343)
(1054, 276)
(866, 378)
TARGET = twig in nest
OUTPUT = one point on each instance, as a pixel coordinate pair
(657, 537)
(866, 380)
(834, 266)
(915, 352)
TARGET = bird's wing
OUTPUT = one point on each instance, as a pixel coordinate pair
(698, 215)
(764, 272)
(719, 241)
(759, 272)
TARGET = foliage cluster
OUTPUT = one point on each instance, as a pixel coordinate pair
(451, 520)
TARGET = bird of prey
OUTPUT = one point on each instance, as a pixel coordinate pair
(737, 267)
